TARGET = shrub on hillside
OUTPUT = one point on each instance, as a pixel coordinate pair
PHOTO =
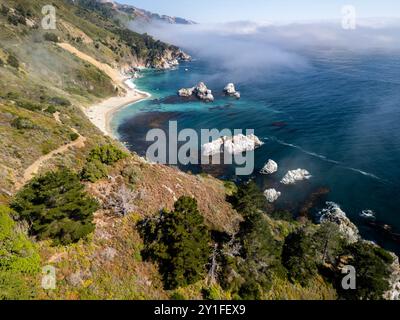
(56, 207)
(179, 242)
(22, 123)
(50, 109)
(19, 258)
(13, 61)
(93, 171)
(49, 36)
(4, 10)
(73, 136)
(29, 105)
(60, 101)
(107, 154)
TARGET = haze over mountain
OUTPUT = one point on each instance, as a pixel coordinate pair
(144, 16)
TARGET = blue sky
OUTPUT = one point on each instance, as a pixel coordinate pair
(262, 10)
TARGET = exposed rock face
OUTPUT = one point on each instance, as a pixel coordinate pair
(270, 167)
(394, 281)
(272, 195)
(200, 91)
(183, 56)
(186, 92)
(234, 145)
(231, 90)
(296, 175)
(334, 214)
(168, 59)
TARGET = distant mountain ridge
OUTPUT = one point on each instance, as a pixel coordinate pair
(146, 16)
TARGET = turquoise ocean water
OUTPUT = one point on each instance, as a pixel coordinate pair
(339, 118)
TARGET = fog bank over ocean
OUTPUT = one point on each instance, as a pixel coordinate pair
(249, 49)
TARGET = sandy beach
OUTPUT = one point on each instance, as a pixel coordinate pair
(101, 114)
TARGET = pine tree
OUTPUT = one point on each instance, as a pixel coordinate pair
(56, 207)
(179, 242)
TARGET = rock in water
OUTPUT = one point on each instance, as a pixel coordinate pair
(184, 56)
(333, 213)
(296, 175)
(231, 90)
(272, 195)
(201, 91)
(270, 167)
(186, 92)
(237, 144)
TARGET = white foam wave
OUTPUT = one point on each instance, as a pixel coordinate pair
(324, 158)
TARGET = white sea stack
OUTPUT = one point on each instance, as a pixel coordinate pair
(333, 213)
(200, 91)
(186, 92)
(270, 167)
(231, 90)
(272, 195)
(234, 145)
(294, 176)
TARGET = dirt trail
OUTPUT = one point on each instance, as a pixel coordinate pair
(108, 70)
(33, 169)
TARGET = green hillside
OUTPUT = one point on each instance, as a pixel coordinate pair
(115, 226)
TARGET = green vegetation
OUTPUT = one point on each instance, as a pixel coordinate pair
(248, 199)
(266, 255)
(179, 242)
(372, 272)
(22, 123)
(74, 136)
(18, 259)
(51, 109)
(56, 207)
(107, 154)
(13, 61)
(60, 101)
(49, 36)
(98, 160)
(93, 171)
(298, 257)
(259, 257)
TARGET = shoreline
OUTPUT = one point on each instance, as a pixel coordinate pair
(101, 114)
